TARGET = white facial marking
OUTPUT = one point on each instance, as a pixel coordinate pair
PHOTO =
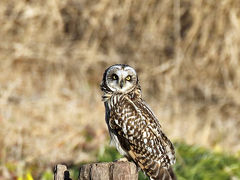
(121, 73)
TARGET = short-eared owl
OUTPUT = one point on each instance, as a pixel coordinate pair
(134, 129)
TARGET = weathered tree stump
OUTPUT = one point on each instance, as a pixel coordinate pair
(109, 171)
(100, 171)
(61, 172)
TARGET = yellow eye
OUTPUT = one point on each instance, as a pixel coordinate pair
(114, 76)
(128, 78)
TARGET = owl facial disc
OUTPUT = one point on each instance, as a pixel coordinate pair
(120, 78)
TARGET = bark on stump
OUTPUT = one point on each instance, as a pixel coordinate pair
(100, 171)
(61, 172)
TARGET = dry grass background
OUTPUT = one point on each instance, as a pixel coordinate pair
(53, 54)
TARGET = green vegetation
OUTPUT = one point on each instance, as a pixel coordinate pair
(193, 163)
(198, 163)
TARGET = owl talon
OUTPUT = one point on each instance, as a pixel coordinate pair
(124, 159)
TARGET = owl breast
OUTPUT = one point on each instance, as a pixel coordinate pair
(109, 103)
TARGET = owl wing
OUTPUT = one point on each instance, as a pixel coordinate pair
(140, 134)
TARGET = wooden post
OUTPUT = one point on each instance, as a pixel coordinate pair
(109, 171)
(101, 171)
(61, 172)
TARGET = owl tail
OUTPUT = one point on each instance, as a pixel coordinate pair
(165, 174)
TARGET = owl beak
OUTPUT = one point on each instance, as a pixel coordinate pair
(121, 84)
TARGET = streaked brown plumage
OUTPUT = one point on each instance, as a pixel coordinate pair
(133, 127)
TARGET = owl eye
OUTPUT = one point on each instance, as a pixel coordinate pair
(114, 77)
(128, 78)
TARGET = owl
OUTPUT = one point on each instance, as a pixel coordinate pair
(133, 128)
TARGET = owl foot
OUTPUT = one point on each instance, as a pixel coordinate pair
(124, 159)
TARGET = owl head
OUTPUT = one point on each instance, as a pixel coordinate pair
(119, 78)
